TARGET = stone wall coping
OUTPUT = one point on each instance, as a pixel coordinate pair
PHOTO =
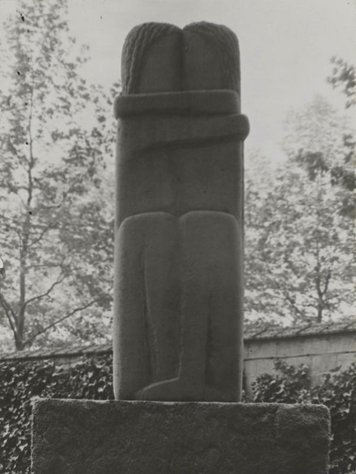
(257, 333)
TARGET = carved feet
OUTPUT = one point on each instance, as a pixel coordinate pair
(180, 309)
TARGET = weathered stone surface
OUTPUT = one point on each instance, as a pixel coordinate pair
(159, 57)
(151, 59)
(180, 163)
(85, 437)
(179, 216)
(211, 57)
(171, 266)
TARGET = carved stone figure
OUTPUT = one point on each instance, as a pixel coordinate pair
(179, 223)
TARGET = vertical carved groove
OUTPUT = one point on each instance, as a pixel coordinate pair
(209, 341)
(180, 266)
(222, 38)
(182, 186)
(137, 43)
(153, 346)
(148, 348)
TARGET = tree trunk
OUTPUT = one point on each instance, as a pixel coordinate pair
(21, 313)
(320, 312)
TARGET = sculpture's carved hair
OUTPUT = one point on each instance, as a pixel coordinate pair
(142, 37)
(138, 41)
(223, 39)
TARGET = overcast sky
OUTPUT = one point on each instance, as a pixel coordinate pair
(286, 46)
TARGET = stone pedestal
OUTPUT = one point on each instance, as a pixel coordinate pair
(134, 437)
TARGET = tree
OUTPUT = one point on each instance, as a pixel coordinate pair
(320, 140)
(298, 237)
(344, 76)
(57, 226)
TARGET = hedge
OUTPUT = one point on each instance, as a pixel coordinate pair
(337, 392)
(91, 378)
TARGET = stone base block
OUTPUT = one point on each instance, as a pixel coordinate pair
(91, 437)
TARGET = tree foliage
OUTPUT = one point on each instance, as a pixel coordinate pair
(56, 221)
(337, 391)
(90, 379)
(299, 224)
(344, 77)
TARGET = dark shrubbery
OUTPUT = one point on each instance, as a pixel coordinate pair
(91, 379)
(20, 381)
(337, 392)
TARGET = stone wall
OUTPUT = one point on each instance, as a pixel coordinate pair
(321, 352)
(321, 347)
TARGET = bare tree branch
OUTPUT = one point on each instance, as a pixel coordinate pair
(12, 149)
(47, 292)
(9, 313)
(292, 303)
(57, 321)
(41, 235)
(53, 206)
(326, 284)
(48, 265)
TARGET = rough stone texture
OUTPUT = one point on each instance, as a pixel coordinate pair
(179, 216)
(198, 254)
(85, 437)
(159, 57)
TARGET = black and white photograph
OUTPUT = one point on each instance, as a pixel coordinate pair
(177, 237)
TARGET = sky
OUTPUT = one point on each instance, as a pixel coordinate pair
(286, 46)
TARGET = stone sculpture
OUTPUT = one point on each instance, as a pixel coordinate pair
(178, 286)
(179, 216)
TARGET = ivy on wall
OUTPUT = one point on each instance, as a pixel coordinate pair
(91, 378)
(337, 391)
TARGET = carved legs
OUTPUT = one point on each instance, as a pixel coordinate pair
(179, 307)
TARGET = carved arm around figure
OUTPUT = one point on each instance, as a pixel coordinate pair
(179, 216)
